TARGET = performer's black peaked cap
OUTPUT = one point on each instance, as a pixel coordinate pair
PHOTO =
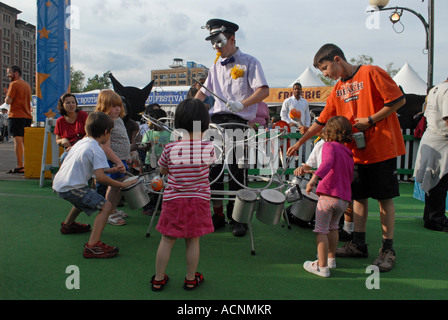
(216, 26)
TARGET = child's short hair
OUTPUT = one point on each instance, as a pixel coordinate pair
(107, 99)
(327, 53)
(98, 123)
(191, 110)
(157, 114)
(339, 129)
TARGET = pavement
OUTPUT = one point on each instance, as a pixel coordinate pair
(8, 162)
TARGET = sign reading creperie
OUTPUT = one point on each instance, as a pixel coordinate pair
(311, 94)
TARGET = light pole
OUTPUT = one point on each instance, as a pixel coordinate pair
(429, 29)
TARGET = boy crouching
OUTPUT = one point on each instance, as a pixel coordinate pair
(85, 159)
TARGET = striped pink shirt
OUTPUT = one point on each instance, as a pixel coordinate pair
(188, 169)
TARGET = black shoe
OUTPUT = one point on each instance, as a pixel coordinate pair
(218, 221)
(437, 227)
(239, 229)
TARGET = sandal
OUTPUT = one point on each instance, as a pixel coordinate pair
(17, 170)
(191, 284)
(160, 283)
(115, 221)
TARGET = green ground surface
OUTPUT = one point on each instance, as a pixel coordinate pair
(34, 257)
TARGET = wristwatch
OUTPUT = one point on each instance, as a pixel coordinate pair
(371, 121)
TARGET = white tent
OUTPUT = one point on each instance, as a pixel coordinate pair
(410, 81)
(308, 79)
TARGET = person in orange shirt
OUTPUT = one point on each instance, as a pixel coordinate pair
(18, 97)
(369, 98)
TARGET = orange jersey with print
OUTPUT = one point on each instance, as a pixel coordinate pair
(20, 93)
(362, 95)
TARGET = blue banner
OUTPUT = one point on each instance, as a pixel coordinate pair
(53, 55)
(162, 98)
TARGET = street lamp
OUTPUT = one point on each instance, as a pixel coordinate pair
(429, 29)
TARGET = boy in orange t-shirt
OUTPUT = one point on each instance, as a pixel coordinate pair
(369, 98)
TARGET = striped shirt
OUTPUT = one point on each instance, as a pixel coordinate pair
(188, 169)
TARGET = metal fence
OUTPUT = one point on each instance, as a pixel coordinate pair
(275, 151)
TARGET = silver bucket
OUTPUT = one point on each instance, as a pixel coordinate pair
(243, 208)
(271, 206)
(306, 208)
(136, 195)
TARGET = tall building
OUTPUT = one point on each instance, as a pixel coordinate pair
(18, 47)
(179, 74)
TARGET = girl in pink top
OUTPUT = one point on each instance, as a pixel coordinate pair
(334, 190)
(186, 199)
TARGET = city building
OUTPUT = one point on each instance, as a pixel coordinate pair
(18, 47)
(179, 74)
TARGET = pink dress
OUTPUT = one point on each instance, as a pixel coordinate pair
(186, 199)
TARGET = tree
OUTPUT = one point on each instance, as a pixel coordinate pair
(76, 80)
(325, 80)
(362, 59)
(392, 72)
(98, 82)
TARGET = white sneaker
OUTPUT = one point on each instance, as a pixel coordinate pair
(331, 262)
(313, 267)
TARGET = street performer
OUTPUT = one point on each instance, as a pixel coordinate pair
(239, 79)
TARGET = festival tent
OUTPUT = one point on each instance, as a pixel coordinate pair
(410, 81)
(308, 79)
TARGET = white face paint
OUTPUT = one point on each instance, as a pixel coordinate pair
(218, 41)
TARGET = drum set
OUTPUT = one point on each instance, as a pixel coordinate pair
(267, 201)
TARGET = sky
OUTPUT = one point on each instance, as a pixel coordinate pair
(132, 37)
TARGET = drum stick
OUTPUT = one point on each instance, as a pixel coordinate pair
(210, 91)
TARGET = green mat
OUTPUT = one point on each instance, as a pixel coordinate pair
(34, 257)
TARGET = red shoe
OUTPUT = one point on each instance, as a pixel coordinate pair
(99, 250)
(157, 285)
(191, 284)
(75, 227)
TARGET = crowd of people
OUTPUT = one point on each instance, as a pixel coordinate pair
(360, 141)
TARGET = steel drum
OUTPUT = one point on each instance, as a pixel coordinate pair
(244, 206)
(271, 206)
(136, 195)
(305, 208)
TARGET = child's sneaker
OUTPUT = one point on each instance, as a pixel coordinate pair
(331, 262)
(75, 227)
(99, 250)
(313, 267)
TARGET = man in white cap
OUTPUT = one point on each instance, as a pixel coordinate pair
(237, 78)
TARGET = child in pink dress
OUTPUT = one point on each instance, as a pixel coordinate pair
(334, 190)
(186, 199)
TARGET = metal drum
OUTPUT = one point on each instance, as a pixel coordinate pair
(293, 193)
(271, 206)
(136, 195)
(306, 208)
(243, 208)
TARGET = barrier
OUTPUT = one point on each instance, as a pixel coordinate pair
(278, 148)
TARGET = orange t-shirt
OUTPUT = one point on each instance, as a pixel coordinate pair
(20, 93)
(364, 94)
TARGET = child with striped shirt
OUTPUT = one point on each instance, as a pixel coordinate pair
(186, 199)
